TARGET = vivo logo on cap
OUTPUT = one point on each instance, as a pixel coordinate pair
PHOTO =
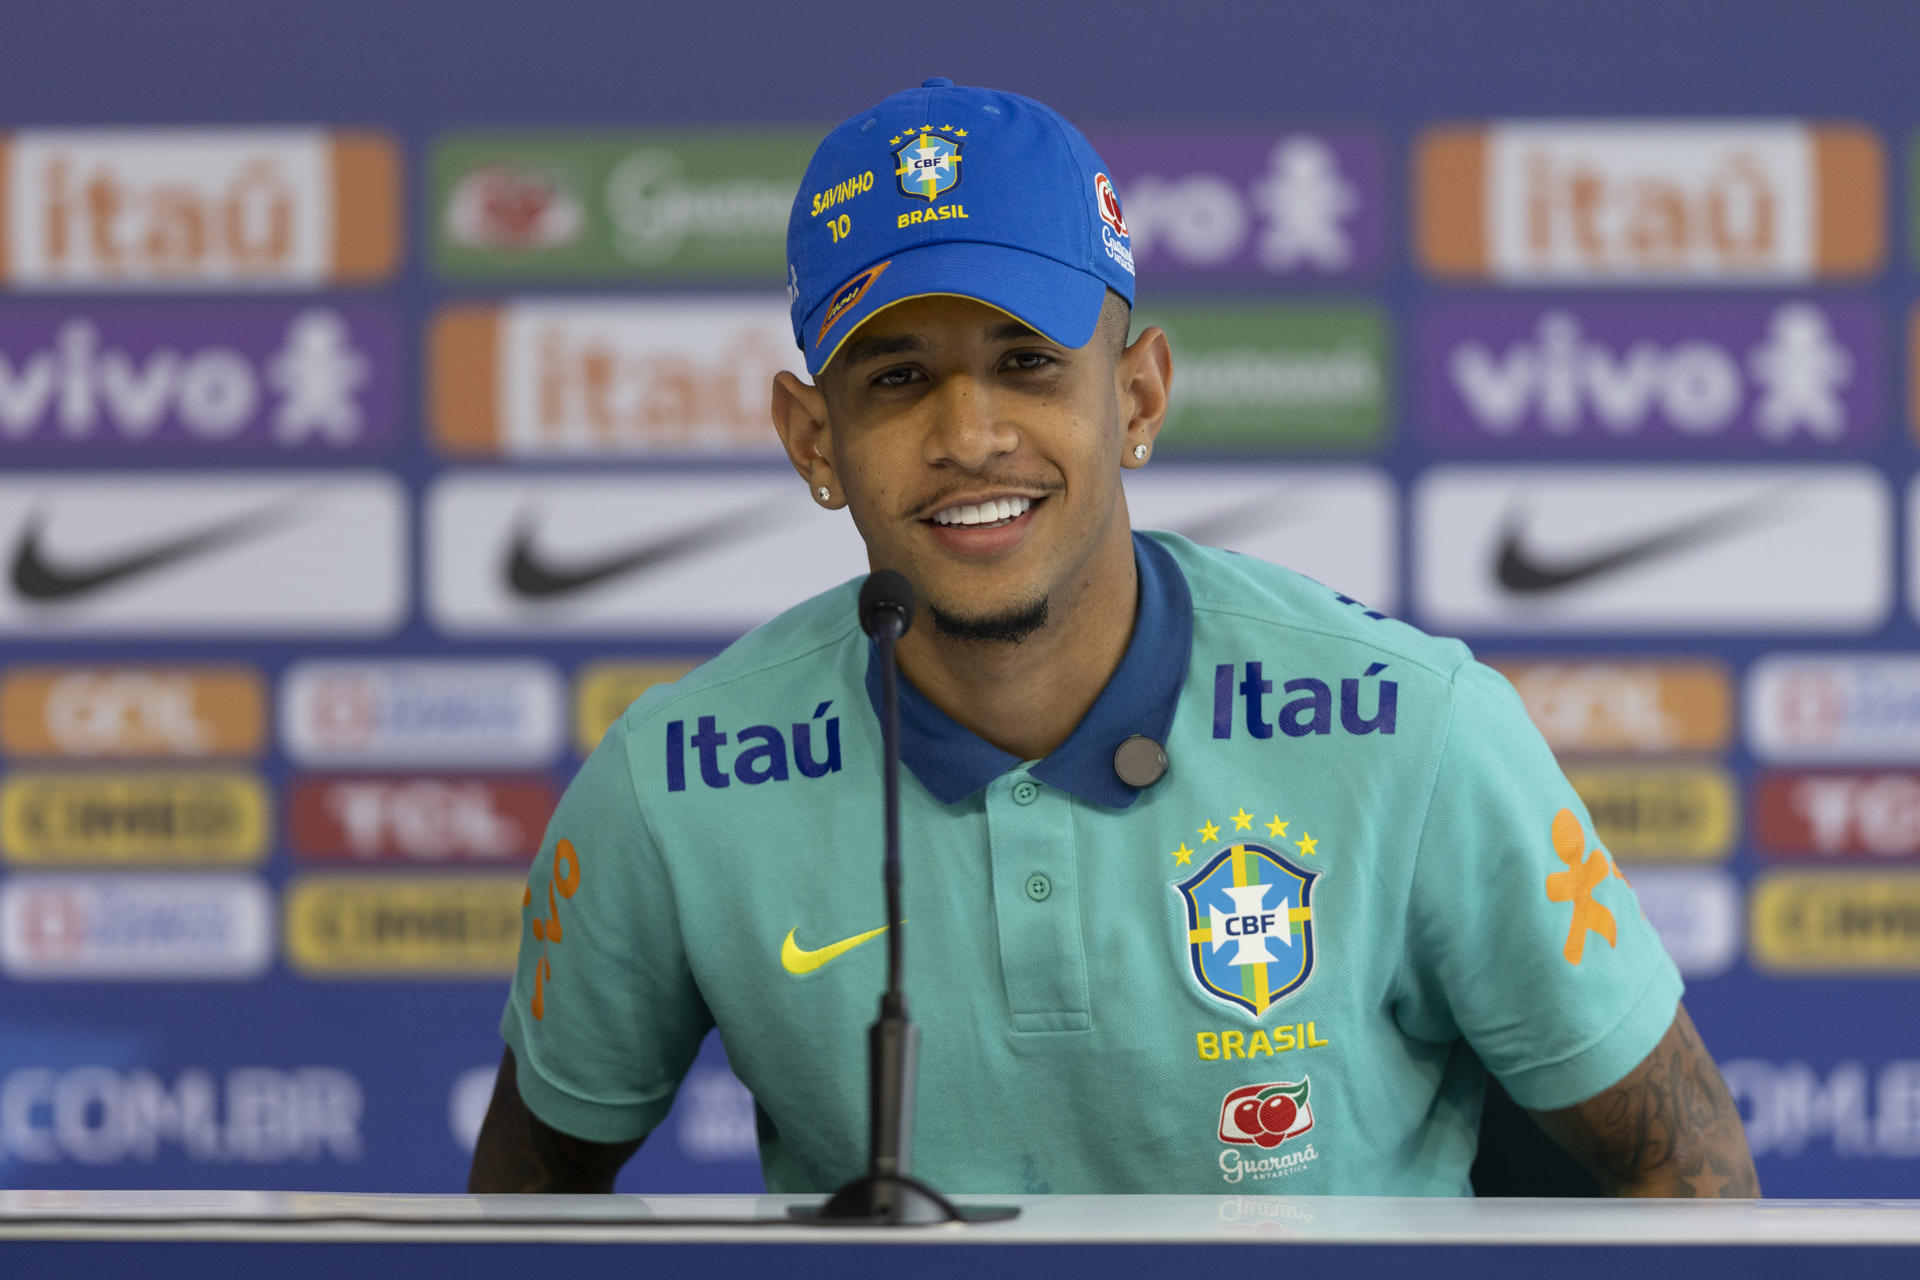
(135, 927)
(422, 712)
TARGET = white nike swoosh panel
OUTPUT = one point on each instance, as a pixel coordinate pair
(1652, 548)
(1338, 525)
(193, 553)
(682, 552)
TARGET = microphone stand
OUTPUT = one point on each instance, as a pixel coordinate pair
(886, 1195)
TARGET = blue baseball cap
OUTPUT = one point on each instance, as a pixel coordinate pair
(952, 190)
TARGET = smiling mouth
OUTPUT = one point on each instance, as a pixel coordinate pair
(983, 515)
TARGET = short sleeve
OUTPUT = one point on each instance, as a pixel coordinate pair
(1524, 937)
(604, 1017)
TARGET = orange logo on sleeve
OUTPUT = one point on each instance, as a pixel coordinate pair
(1577, 883)
(565, 883)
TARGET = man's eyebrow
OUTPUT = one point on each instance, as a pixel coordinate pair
(860, 349)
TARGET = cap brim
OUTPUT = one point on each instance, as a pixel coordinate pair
(1061, 302)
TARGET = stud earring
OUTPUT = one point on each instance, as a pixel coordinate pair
(826, 494)
(1140, 453)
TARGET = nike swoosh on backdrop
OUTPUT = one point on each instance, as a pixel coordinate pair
(530, 576)
(1522, 572)
(796, 960)
(1215, 527)
(38, 579)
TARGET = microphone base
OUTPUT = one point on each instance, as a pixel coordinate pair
(886, 1200)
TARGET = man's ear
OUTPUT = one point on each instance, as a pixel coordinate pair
(1143, 381)
(800, 416)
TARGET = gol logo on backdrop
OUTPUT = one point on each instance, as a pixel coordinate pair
(1627, 706)
(1644, 202)
(200, 207)
(130, 712)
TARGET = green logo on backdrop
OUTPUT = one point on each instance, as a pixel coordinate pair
(686, 204)
(1271, 377)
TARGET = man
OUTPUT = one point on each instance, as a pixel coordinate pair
(1213, 877)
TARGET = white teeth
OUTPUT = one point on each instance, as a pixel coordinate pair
(994, 512)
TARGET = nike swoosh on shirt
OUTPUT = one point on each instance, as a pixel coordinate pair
(38, 579)
(1523, 572)
(797, 960)
(530, 575)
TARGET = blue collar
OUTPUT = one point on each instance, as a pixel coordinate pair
(953, 763)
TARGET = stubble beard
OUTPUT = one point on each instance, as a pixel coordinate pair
(1010, 626)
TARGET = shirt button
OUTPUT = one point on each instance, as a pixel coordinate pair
(1025, 792)
(1039, 888)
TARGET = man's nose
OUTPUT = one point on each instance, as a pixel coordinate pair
(968, 428)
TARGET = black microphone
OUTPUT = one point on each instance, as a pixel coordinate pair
(886, 605)
(886, 1195)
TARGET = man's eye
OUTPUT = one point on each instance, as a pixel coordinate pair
(1029, 360)
(895, 377)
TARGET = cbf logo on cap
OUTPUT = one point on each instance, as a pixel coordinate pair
(950, 190)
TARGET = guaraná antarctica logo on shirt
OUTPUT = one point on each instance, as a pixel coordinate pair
(1265, 1116)
(1249, 918)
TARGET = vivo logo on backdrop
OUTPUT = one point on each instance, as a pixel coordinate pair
(1669, 376)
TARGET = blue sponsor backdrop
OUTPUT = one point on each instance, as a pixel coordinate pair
(368, 1084)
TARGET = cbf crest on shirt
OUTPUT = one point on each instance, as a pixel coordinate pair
(1249, 926)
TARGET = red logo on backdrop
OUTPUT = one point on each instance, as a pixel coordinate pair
(419, 819)
(53, 924)
(1813, 705)
(346, 711)
(502, 206)
(1838, 814)
(1109, 204)
(1265, 1115)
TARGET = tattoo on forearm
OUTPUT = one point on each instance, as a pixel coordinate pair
(1671, 1127)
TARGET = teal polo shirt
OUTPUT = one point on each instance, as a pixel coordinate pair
(1285, 966)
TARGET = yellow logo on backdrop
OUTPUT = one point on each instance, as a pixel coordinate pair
(75, 818)
(395, 926)
(1810, 922)
(604, 691)
(1684, 814)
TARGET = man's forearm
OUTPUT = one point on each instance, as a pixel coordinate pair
(1669, 1129)
(518, 1151)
